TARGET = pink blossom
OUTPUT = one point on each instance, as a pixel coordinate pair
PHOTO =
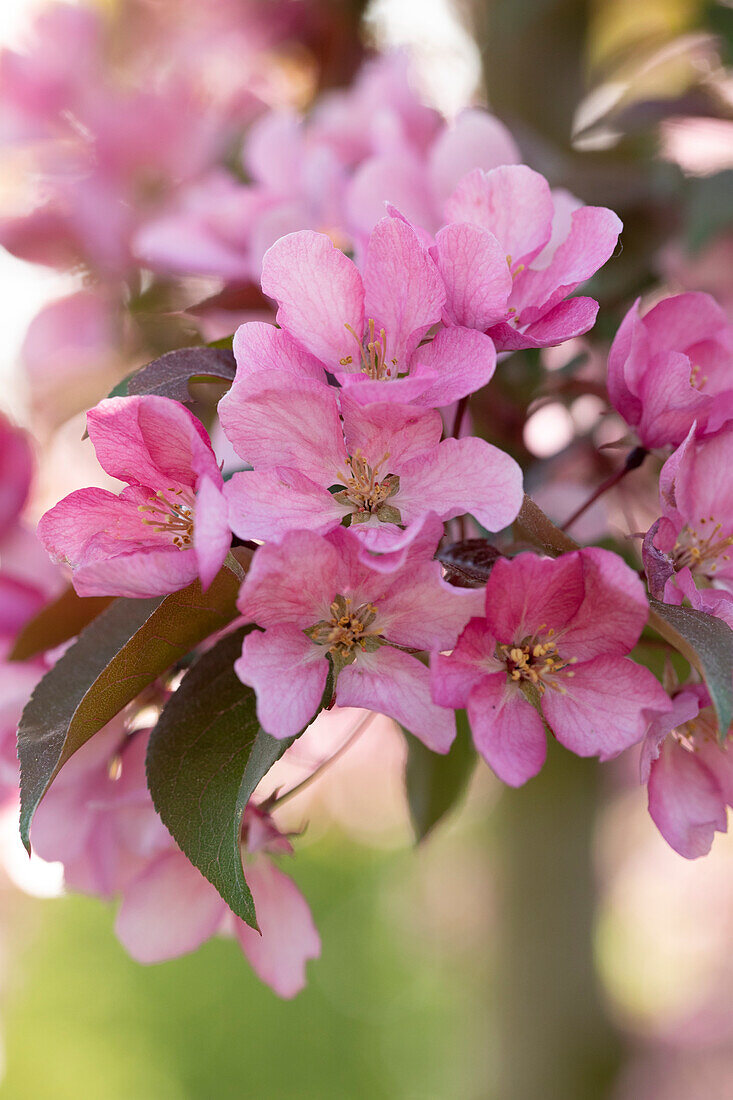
(321, 599)
(170, 909)
(417, 182)
(562, 625)
(391, 469)
(167, 527)
(695, 530)
(513, 251)
(689, 773)
(16, 467)
(367, 331)
(99, 820)
(673, 367)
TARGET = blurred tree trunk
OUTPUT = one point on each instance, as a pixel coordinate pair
(336, 40)
(533, 59)
(555, 1042)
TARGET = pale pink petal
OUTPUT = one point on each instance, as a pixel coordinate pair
(151, 441)
(402, 431)
(289, 937)
(319, 291)
(398, 685)
(462, 476)
(273, 150)
(258, 346)
(568, 319)
(399, 181)
(16, 467)
(266, 504)
(685, 801)
(512, 202)
(594, 233)
(507, 730)
(288, 673)
(403, 289)
(137, 575)
(168, 911)
(475, 140)
(604, 710)
(477, 278)
(285, 422)
(212, 535)
(459, 361)
(294, 582)
(65, 530)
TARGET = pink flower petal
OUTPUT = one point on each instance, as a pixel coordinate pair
(398, 685)
(289, 937)
(258, 346)
(462, 476)
(685, 801)
(319, 291)
(285, 422)
(168, 911)
(604, 710)
(477, 277)
(266, 504)
(212, 536)
(475, 140)
(507, 730)
(288, 673)
(274, 591)
(512, 202)
(403, 288)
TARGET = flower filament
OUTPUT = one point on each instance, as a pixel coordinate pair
(700, 550)
(372, 353)
(346, 633)
(171, 513)
(364, 493)
(536, 662)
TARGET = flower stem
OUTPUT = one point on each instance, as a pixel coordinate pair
(275, 801)
(634, 459)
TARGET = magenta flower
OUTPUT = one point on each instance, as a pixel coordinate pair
(673, 367)
(166, 528)
(367, 331)
(320, 599)
(695, 531)
(512, 253)
(689, 774)
(387, 461)
(556, 631)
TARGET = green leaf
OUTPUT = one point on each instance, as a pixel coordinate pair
(435, 783)
(170, 375)
(122, 651)
(707, 643)
(58, 621)
(205, 757)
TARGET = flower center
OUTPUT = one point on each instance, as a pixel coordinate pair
(347, 631)
(696, 379)
(536, 662)
(171, 513)
(365, 494)
(372, 354)
(700, 550)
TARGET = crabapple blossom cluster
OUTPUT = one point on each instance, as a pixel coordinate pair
(339, 527)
